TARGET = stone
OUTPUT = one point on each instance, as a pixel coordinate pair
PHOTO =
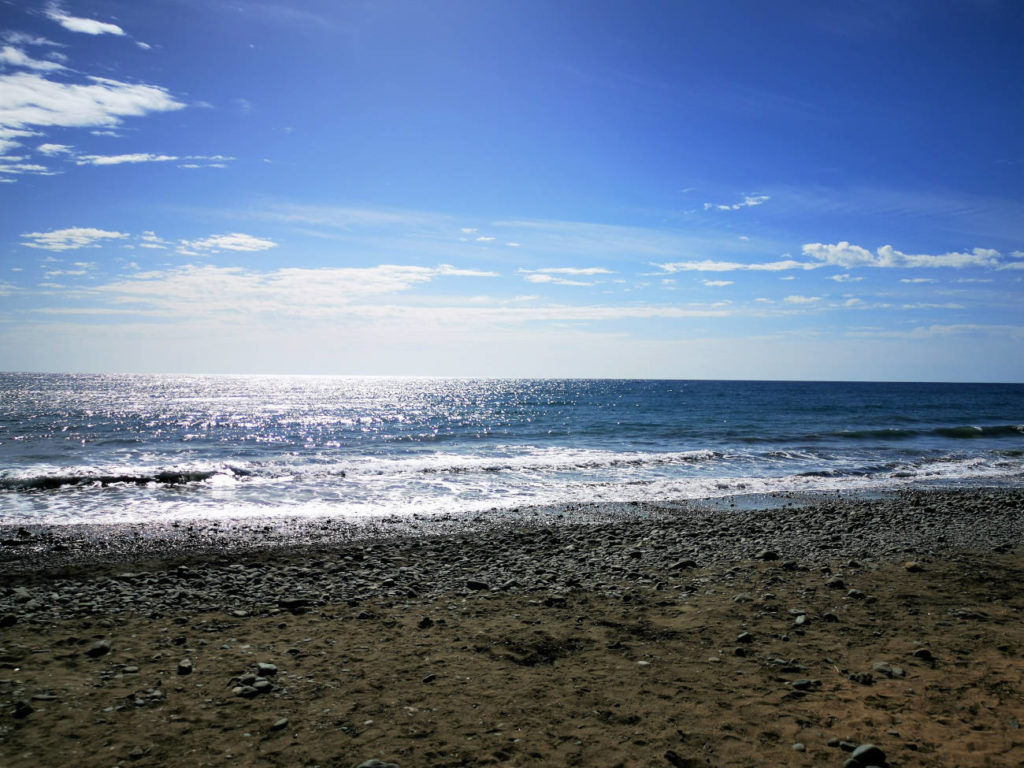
(266, 669)
(924, 654)
(868, 754)
(99, 648)
(262, 685)
(375, 763)
(8, 620)
(799, 747)
(185, 667)
(279, 724)
(425, 623)
(767, 554)
(913, 566)
(476, 585)
(744, 637)
(835, 583)
(245, 691)
(22, 709)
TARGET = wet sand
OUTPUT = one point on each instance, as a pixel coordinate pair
(632, 636)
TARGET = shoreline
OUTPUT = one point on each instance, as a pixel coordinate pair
(659, 636)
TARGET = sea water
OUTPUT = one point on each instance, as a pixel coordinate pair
(106, 448)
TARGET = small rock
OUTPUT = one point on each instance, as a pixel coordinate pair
(8, 620)
(266, 669)
(22, 709)
(802, 684)
(263, 685)
(913, 566)
(681, 565)
(279, 724)
(245, 691)
(99, 648)
(429, 678)
(835, 583)
(856, 594)
(868, 754)
(425, 623)
(767, 554)
(185, 667)
(375, 763)
(799, 747)
(924, 654)
(478, 586)
(744, 637)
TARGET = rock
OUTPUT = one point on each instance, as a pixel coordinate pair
(425, 623)
(767, 554)
(8, 620)
(799, 747)
(868, 754)
(429, 678)
(864, 678)
(375, 763)
(262, 685)
(266, 669)
(245, 691)
(856, 594)
(801, 620)
(743, 597)
(913, 567)
(924, 654)
(22, 709)
(293, 604)
(185, 667)
(887, 669)
(835, 583)
(681, 565)
(476, 585)
(744, 637)
(279, 724)
(802, 684)
(99, 648)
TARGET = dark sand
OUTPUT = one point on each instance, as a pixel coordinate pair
(633, 636)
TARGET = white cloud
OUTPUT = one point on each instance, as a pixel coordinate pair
(749, 201)
(28, 99)
(574, 271)
(20, 168)
(916, 280)
(846, 278)
(844, 254)
(70, 239)
(51, 150)
(469, 230)
(139, 157)
(15, 57)
(78, 24)
(235, 241)
(717, 283)
(484, 239)
(732, 266)
(290, 291)
(534, 277)
(512, 245)
(23, 38)
(802, 299)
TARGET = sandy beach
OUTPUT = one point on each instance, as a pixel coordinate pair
(640, 635)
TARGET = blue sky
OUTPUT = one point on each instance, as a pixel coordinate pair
(640, 189)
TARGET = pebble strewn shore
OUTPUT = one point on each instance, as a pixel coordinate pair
(73, 571)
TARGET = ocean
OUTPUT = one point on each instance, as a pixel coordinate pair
(125, 448)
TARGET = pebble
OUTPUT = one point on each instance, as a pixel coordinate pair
(185, 667)
(868, 754)
(375, 763)
(266, 669)
(799, 747)
(99, 648)
(279, 724)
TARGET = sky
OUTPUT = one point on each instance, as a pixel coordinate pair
(687, 189)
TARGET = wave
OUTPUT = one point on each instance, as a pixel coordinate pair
(168, 477)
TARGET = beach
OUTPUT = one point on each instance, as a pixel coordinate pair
(789, 631)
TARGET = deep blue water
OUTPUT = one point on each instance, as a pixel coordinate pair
(106, 447)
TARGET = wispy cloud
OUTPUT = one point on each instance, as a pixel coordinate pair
(15, 57)
(70, 239)
(78, 24)
(717, 283)
(733, 266)
(138, 157)
(235, 241)
(849, 256)
(749, 201)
